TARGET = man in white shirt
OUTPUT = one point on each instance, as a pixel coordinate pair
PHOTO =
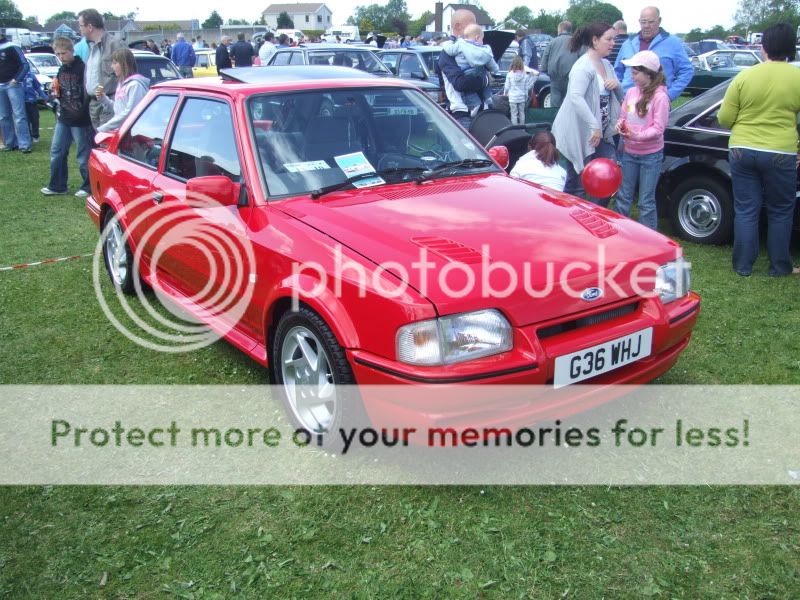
(267, 48)
(199, 44)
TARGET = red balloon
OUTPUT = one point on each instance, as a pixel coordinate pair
(601, 177)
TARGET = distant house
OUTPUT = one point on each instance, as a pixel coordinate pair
(483, 19)
(304, 16)
(119, 27)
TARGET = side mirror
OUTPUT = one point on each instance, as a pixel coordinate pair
(499, 155)
(103, 138)
(206, 192)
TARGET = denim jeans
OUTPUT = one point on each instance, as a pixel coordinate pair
(13, 118)
(59, 153)
(643, 169)
(574, 185)
(757, 177)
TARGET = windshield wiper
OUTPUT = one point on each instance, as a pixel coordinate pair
(468, 163)
(316, 194)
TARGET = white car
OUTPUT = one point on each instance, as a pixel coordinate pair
(726, 59)
(43, 80)
(48, 64)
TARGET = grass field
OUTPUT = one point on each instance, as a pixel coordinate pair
(369, 542)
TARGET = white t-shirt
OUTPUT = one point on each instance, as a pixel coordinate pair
(530, 168)
(265, 52)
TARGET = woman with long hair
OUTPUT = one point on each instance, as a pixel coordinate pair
(642, 121)
(761, 107)
(131, 88)
(584, 125)
(540, 165)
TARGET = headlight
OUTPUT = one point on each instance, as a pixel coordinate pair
(673, 280)
(454, 339)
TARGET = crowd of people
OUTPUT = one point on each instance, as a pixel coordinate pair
(614, 92)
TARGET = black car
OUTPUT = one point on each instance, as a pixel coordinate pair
(155, 67)
(694, 189)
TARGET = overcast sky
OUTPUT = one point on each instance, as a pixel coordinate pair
(678, 16)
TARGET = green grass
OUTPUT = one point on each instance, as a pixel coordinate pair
(369, 542)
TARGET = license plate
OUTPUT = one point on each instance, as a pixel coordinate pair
(602, 358)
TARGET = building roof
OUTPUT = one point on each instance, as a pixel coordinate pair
(276, 9)
(481, 16)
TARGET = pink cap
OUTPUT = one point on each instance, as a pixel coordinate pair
(646, 58)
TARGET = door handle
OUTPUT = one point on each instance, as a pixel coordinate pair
(158, 197)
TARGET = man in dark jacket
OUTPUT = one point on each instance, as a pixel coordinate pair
(222, 55)
(557, 62)
(242, 52)
(13, 118)
(454, 80)
(620, 38)
(527, 49)
(73, 121)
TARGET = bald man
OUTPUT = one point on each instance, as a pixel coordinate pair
(678, 70)
(454, 80)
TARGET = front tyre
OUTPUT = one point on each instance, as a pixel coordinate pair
(314, 377)
(117, 255)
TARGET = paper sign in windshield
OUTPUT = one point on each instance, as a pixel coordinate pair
(300, 167)
(354, 164)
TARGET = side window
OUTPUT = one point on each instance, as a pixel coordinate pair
(202, 60)
(709, 121)
(144, 140)
(390, 60)
(203, 142)
(410, 68)
(281, 58)
(295, 58)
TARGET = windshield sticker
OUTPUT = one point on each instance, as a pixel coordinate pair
(370, 182)
(403, 110)
(354, 164)
(300, 167)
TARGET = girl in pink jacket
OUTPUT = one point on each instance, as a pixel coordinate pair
(643, 117)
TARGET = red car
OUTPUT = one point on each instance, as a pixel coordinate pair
(343, 229)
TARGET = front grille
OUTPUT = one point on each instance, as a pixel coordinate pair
(594, 319)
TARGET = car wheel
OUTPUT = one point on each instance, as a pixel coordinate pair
(312, 372)
(117, 255)
(702, 211)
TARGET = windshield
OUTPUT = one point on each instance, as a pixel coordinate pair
(363, 60)
(309, 141)
(43, 60)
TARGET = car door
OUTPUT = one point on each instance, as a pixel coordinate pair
(202, 242)
(135, 168)
(411, 68)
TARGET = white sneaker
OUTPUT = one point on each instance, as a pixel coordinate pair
(81, 194)
(48, 192)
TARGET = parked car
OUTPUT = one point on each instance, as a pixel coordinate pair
(716, 66)
(694, 189)
(413, 64)
(205, 63)
(44, 81)
(298, 166)
(155, 67)
(363, 58)
(47, 64)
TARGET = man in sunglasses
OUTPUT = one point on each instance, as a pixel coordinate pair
(678, 70)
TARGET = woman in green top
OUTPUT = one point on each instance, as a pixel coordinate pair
(761, 108)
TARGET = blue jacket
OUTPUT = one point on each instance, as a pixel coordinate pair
(33, 89)
(678, 69)
(183, 54)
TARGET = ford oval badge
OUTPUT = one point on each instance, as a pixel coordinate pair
(591, 294)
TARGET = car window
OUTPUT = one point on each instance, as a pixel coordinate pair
(281, 58)
(144, 140)
(203, 142)
(296, 58)
(306, 141)
(744, 59)
(202, 60)
(709, 120)
(156, 70)
(410, 67)
(390, 60)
